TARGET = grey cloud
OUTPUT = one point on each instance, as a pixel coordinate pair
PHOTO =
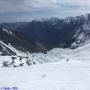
(14, 1)
(34, 7)
(29, 5)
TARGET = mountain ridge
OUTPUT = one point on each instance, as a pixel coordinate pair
(71, 32)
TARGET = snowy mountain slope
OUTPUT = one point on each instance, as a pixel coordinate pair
(58, 54)
(82, 53)
(15, 49)
(11, 39)
(73, 75)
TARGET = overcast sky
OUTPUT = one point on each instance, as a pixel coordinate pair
(26, 10)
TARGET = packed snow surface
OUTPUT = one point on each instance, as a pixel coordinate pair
(69, 70)
(72, 75)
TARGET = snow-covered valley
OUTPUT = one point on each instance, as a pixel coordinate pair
(62, 69)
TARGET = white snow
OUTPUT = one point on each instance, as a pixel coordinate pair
(13, 49)
(57, 75)
(73, 75)
(86, 27)
(7, 31)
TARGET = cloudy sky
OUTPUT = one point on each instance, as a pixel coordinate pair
(26, 10)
